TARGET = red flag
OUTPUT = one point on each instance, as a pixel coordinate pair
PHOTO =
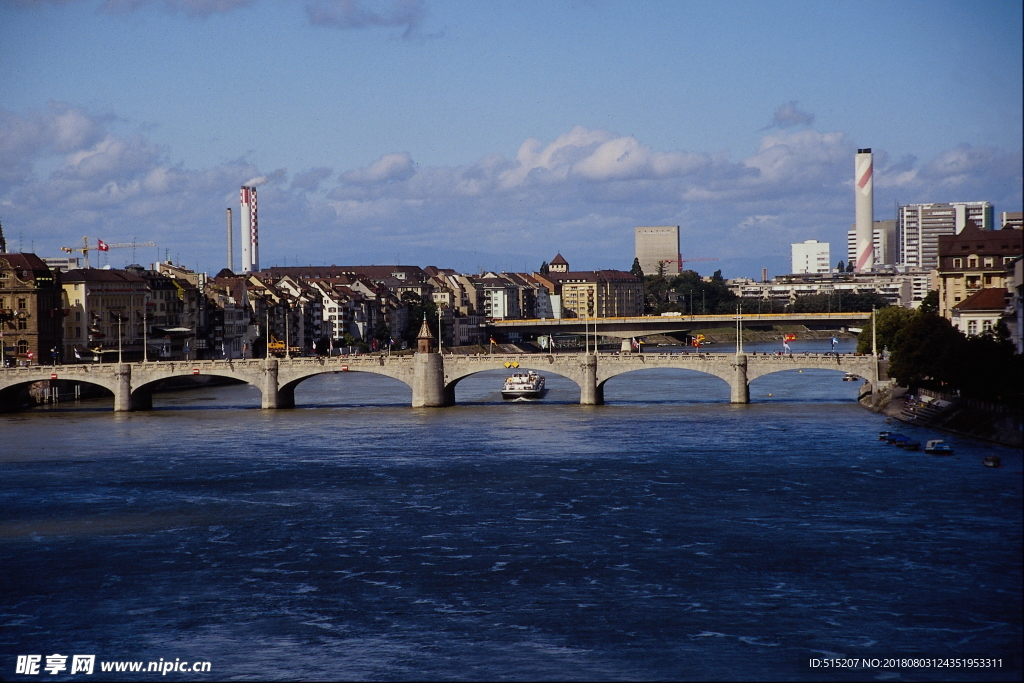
(790, 337)
(102, 246)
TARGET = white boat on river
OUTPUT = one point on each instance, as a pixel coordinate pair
(524, 385)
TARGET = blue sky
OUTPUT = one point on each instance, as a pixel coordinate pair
(495, 134)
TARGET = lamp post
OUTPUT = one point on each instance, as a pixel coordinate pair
(287, 330)
(268, 330)
(440, 341)
(145, 343)
(119, 361)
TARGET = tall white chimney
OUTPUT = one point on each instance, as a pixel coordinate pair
(231, 246)
(250, 231)
(864, 205)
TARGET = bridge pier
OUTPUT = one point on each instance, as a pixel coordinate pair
(739, 389)
(269, 385)
(428, 390)
(123, 393)
(591, 394)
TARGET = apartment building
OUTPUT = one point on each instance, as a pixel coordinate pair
(810, 256)
(973, 260)
(31, 310)
(919, 227)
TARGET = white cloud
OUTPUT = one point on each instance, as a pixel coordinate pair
(788, 115)
(582, 193)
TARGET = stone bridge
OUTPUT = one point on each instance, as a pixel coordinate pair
(431, 376)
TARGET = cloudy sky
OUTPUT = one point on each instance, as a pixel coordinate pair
(495, 134)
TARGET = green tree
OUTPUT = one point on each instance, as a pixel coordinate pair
(416, 309)
(891, 320)
(840, 266)
(849, 267)
(927, 349)
(636, 270)
(544, 268)
(930, 302)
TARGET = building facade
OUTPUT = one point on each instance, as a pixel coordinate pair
(919, 227)
(973, 260)
(810, 256)
(883, 239)
(31, 311)
(656, 245)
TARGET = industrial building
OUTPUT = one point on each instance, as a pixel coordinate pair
(658, 245)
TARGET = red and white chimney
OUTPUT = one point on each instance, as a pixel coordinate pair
(864, 206)
(250, 231)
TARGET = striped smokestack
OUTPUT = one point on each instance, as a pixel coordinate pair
(864, 205)
(231, 246)
(250, 231)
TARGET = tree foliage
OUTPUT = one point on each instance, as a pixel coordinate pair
(416, 309)
(636, 270)
(890, 320)
(837, 302)
(691, 292)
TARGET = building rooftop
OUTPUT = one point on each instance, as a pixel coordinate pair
(989, 299)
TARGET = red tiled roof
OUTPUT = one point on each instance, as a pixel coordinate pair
(990, 299)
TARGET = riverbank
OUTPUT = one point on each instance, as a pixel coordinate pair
(989, 424)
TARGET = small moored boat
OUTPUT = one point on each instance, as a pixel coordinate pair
(524, 385)
(992, 461)
(938, 447)
(850, 377)
(884, 436)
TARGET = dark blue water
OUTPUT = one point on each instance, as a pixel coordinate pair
(666, 535)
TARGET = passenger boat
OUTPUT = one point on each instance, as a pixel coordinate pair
(884, 436)
(850, 377)
(524, 385)
(938, 447)
(910, 445)
(992, 461)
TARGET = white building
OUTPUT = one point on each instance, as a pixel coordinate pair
(884, 239)
(918, 227)
(810, 256)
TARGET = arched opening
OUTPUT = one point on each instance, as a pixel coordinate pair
(191, 392)
(55, 395)
(809, 385)
(484, 387)
(665, 385)
(349, 389)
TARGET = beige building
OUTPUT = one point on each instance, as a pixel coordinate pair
(104, 307)
(974, 260)
(656, 245)
(30, 310)
(595, 294)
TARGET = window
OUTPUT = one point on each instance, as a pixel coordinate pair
(989, 262)
(22, 346)
(972, 327)
(78, 316)
(78, 333)
(22, 303)
(987, 326)
(972, 262)
(22, 324)
(958, 263)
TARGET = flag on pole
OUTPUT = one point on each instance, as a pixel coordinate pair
(790, 337)
(78, 355)
(102, 246)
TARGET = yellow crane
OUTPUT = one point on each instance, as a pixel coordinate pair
(103, 246)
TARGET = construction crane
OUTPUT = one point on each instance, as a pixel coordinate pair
(103, 246)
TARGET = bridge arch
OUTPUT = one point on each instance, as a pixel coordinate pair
(541, 368)
(705, 372)
(286, 390)
(12, 388)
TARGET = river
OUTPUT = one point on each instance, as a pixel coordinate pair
(664, 535)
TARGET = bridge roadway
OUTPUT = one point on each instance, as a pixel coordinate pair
(654, 324)
(432, 376)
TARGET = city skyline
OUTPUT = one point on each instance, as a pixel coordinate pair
(495, 137)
